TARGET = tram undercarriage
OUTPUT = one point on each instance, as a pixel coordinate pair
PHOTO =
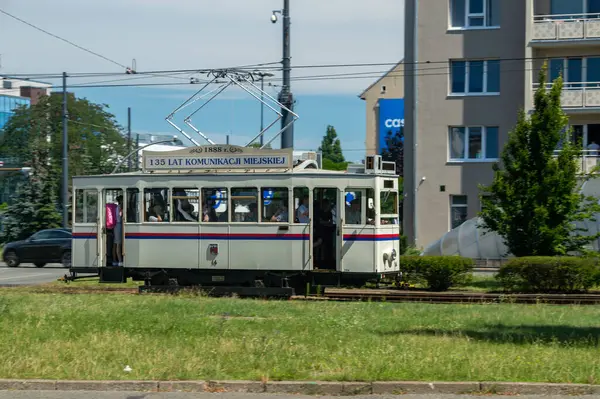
(241, 282)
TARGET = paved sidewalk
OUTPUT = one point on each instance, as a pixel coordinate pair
(182, 395)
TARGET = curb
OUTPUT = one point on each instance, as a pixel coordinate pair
(308, 387)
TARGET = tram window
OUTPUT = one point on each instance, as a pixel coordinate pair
(186, 204)
(353, 207)
(156, 204)
(86, 206)
(133, 208)
(244, 203)
(388, 202)
(301, 204)
(214, 205)
(275, 204)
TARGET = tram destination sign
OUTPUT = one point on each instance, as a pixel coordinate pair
(218, 157)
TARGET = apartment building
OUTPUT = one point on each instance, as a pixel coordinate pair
(470, 66)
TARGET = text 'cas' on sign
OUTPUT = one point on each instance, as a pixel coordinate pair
(218, 157)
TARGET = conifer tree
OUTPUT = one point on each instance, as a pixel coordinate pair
(331, 148)
(534, 202)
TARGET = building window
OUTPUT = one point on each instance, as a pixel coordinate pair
(473, 143)
(475, 77)
(458, 210)
(469, 14)
(576, 72)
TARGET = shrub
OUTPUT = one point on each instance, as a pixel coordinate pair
(549, 274)
(438, 272)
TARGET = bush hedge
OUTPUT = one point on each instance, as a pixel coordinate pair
(549, 274)
(438, 273)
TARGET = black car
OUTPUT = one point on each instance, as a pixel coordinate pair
(45, 246)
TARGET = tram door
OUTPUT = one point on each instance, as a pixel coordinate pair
(86, 229)
(112, 228)
(326, 228)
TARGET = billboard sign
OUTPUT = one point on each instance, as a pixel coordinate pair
(391, 123)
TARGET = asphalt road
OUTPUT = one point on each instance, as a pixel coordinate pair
(29, 274)
(180, 395)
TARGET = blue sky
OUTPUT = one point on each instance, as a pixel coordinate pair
(196, 34)
(239, 117)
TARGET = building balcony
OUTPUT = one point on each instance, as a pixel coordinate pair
(578, 97)
(566, 30)
(588, 163)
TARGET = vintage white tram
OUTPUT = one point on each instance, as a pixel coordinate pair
(229, 216)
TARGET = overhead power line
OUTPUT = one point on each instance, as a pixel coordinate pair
(60, 38)
(343, 76)
(268, 66)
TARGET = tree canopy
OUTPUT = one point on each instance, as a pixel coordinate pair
(533, 202)
(35, 205)
(95, 140)
(331, 148)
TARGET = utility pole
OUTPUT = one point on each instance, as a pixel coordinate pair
(129, 137)
(137, 154)
(65, 161)
(285, 96)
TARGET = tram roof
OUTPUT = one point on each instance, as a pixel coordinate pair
(230, 160)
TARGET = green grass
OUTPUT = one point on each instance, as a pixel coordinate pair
(185, 337)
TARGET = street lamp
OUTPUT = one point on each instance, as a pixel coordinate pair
(172, 140)
(274, 16)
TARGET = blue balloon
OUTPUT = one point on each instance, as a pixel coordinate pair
(349, 198)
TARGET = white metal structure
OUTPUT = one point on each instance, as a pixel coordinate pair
(229, 215)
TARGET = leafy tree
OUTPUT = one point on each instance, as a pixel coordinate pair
(533, 202)
(331, 148)
(96, 142)
(394, 149)
(34, 205)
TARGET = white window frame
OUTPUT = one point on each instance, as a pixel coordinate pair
(467, 73)
(452, 206)
(466, 159)
(468, 15)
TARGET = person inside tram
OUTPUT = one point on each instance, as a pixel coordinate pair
(209, 214)
(281, 215)
(302, 211)
(117, 255)
(353, 215)
(154, 213)
(185, 210)
(327, 232)
(252, 216)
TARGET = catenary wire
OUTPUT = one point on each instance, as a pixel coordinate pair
(300, 79)
(309, 66)
(60, 38)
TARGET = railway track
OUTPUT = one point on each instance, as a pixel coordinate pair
(336, 294)
(459, 297)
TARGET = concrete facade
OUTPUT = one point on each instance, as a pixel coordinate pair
(390, 85)
(455, 123)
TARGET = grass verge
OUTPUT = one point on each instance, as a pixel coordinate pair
(186, 337)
